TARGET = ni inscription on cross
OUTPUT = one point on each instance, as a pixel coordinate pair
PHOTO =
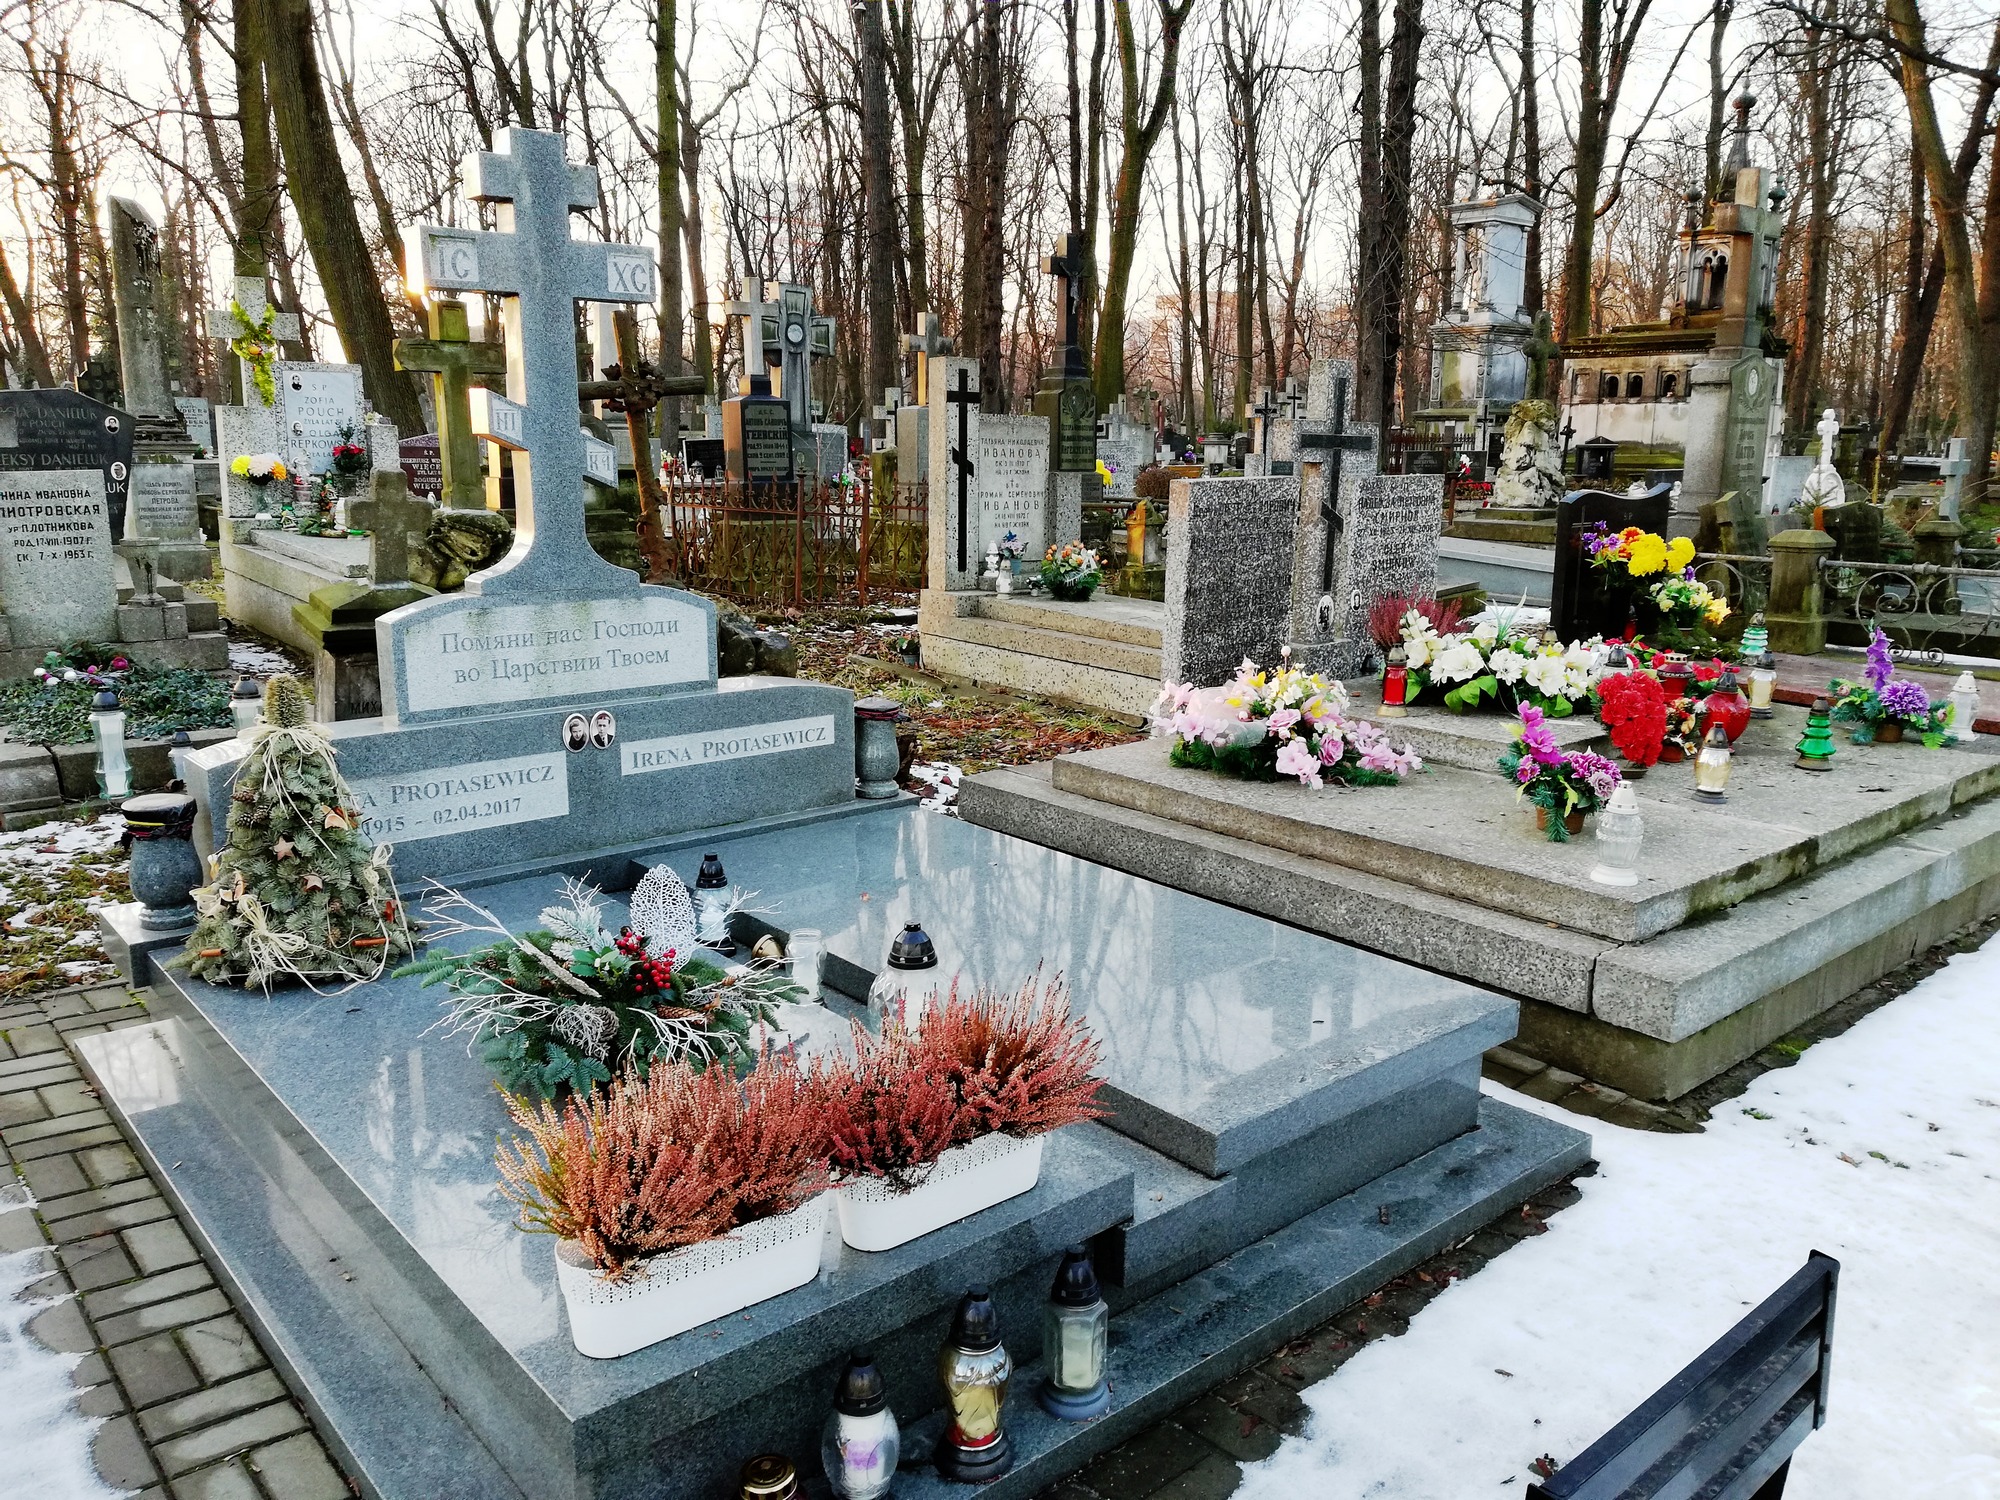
(1327, 448)
(453, 361)
(966, 400)
(531, 262)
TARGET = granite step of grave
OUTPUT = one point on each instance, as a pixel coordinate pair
(1056, 646)
(1109, 617)
(1007, 644)
(1653, 1018)
(267, 574)
(1470, 741)
(1488, 527)
(1452, 831)
(1225, 1035)
(1508, 571)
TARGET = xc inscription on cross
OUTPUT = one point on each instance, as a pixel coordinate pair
(1329, 446)
(966, 400)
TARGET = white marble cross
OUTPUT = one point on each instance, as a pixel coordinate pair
(532, 262)
(1824, 487)
(249, 295)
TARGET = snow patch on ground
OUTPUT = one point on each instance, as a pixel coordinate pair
(45, 1438)
(1881, 1148)
(940, 781)
(250, 659)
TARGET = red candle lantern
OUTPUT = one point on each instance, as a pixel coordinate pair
(1395, 686)
(1726, 705)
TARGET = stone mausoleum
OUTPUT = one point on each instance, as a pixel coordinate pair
(1479, 363)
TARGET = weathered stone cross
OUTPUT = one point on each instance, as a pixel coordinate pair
(1326, 447)
(532, 262)
(1069, 265)
(965, 399)
(452, 359)
(760, 325)
(927, 341)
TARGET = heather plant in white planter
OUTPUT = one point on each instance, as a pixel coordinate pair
(930, 1126)
(676, 1199)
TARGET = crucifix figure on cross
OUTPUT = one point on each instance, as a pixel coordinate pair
(1069, 265)
(453, 361)
(1327, 447)
(531, 262)
(966, 400)
(927, 342)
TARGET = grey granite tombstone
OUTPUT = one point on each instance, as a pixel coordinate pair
(199, 421)
(162, 508)
(58, 583)
(954, 560)
(1329, 612)
(145, 319)
(829, 448)
(1014, 491)
(1229, 555)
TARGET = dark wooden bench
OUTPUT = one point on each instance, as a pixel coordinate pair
(1724, 1428)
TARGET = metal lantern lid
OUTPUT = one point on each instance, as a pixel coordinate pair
(975, 1327)
(1076, 1280)
(181, 740)
(246, 687)
(1718, 738)
(1730, 682)
(104, 701)
(912, 949)
(769, 1476)
(1617, 661)
(1398, 656)
(710, 876)
(861, 1392)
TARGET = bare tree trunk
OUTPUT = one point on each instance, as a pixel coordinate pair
(33, 352)
(1718, 103)
(879, 183)
(984, 239)
(318, 184)
(1388, 128)
(1815, 79)
(673, 219)
(1533, 291)
(1185, 274)
(1602, 62)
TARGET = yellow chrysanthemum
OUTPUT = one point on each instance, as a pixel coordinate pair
(1716, 612)
(1648, 555)
(1680, 552)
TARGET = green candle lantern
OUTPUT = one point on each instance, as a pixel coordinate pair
(1816, 749)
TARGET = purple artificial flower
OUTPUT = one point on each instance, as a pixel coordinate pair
(1526, 772)
(1535, 736)
(1600, 775)
(1904, 699)
(1880, 663)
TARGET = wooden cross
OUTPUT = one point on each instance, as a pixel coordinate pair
(635, 387)
(1069, 265)
(1331, 444)
(453, 360)
(927, 341)
(966, 400)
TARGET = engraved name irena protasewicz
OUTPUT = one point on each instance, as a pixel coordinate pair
(709, 746)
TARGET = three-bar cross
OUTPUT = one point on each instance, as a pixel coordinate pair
(452, 360)
(967, 401)
(635, 387)
(1329, 446)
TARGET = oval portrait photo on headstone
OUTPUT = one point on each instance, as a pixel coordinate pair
(603, 729)
(575, 732)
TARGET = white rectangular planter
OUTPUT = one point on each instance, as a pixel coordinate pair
(685, 1288)
(966, 1179)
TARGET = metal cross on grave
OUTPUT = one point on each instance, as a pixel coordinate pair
(1260, 420)
(453, 360)
(926, 342)
(222, 324)
(1328, 445)
(1069, 265)
(635, 387)
(966, 400)
(532, 263)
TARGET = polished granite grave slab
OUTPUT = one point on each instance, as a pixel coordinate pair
(1461, 833)
(1225, 1035)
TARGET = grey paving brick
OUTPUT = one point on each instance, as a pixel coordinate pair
(193, 1449)
(222, 1348)
(146, 1291)
(90, 1370)
(225, 1481)
(53, 1177)
(1241, 1435)
(1211, 1479)
(299, 1469)
(120, 1456)
(204, 1408)
(1551, 1084)
(113, 997)
(144, 1320)
(31, 1040)
(6, 1048)
(159, 1246)
(1150, 1460)
(68, 1098)
(24, 1072)
(107, 1164)
(41, 1128)
(19, 1109)
(154, 1370)
(68, 1140)
(55, 1208)
(71, 1003)
(101, 1401)
(19, 1231)
(61, 1327)
(123, 1216)
(98, 1262)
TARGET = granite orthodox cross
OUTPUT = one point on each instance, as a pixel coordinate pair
(532, 262)
(926, 342)
(635, 387)
(1327, 447)
(453, 360)
(222, 324)
(965, 399)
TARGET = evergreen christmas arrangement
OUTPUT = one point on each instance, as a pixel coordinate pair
(298, 891)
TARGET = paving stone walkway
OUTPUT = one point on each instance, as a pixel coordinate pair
(191, 1406)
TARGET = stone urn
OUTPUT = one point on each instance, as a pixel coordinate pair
(876, 758)
(165, 866)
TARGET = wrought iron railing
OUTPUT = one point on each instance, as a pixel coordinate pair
(796, 542)
(1922, 607)
(1743, 578)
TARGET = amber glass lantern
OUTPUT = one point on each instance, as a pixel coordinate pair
(1711, 767)
(973, 1367)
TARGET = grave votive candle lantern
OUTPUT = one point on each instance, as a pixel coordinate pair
(107, 726)
(973, 1367)
(1620, 829)
(1763, 681)
(876, 758)
(711, 909)
(165, 867)
(1711, 767)
(769, 1476)
(1075, 1333)
(862, 1441)
(1816, 749)
(901, 991)
(246, 706)
(1396, 685)
(1964, 702)
(1726, 708)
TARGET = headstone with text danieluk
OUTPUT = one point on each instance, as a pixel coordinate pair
(58, 453)
(556, 684)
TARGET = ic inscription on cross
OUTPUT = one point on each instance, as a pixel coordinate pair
(1328, 446)
(452, 360)
(541, 273)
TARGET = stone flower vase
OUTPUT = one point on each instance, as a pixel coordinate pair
(1571, 821)
(165, 867)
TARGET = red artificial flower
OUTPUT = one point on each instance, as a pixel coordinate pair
(1633, 707)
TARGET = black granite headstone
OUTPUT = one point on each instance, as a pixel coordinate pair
(707, 452)
(423, 464)
(1594, 460)
(1586, 602)
(757, 436)
(60, 429)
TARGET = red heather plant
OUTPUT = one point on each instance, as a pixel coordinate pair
(1017, 1064)
(680, 1157)
(1385, 616)
(1633, 706)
